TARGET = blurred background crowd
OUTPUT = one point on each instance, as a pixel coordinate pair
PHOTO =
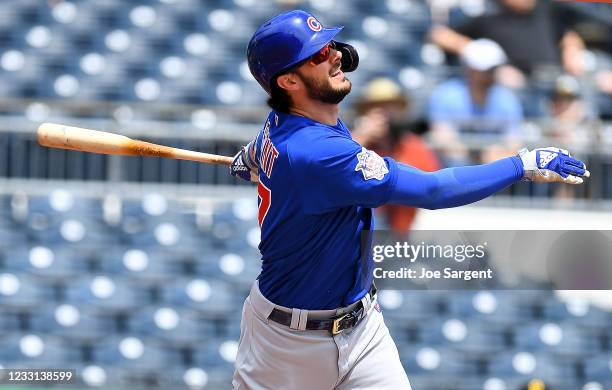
(133, 270)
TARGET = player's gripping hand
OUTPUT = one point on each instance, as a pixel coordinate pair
(552, 165)
(244, 165)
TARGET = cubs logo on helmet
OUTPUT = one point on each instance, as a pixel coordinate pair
(313, 24)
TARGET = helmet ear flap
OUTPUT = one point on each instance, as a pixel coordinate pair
(350, 58)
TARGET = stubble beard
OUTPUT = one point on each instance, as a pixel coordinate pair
(324, 91)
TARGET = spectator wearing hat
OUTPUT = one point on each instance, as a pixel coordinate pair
(571, 121)
(475, 106)
(382, 126)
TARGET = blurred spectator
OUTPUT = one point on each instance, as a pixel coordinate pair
(536, 384)
(475, 105)
(572, 121)
(531, 33)
(289, 4)
(382, 126)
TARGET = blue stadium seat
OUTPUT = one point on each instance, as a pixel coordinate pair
(209, 297)
(445, 382)
(23, 292)
(48, 263)
(106, 294)
(239, 269)
(173, 327)
(167, 235)
(9, 321)
(131, 352)
(142, 265)
(475, 338)
(599, 368)
(61, 218)
(502, 307)
(73, 323)
(218, 353)
(197, 377)
(579, 312)
(563, 339)
(526, 365)
(422, 359)
(75, 231)
(5, 206)
(92, 375)
(10, 236)
(36, 350)
(408, 306)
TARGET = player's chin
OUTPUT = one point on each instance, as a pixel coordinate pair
(340, 81)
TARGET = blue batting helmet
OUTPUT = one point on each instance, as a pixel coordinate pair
(284, 41)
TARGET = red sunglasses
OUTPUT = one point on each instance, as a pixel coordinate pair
(323, 54)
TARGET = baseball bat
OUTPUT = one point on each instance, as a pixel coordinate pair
(54, 135)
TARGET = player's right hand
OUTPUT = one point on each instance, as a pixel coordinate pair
(244, 165)
(552, 165)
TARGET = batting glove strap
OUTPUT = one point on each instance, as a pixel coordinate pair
(249, 156)
(243, 165)
(552, 165)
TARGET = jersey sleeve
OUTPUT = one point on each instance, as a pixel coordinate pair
(334, 172)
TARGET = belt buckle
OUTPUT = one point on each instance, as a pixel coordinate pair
(336, 324)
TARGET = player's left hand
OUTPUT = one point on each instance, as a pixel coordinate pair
(552, 165)
(244, 165)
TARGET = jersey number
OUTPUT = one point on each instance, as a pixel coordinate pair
(265, 199)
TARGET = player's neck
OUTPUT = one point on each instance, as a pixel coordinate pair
(318, 111)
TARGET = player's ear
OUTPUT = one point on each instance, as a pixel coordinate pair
(287, 81)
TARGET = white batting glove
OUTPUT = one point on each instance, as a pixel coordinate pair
(552, 165)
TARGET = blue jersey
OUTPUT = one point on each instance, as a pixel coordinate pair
(316, 191)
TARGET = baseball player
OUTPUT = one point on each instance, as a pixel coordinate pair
(311, 320)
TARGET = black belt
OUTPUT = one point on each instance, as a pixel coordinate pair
(334, 324)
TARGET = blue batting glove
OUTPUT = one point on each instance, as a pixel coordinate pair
(552, 165)
(244, 165)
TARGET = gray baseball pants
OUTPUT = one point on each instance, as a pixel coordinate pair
(272, 356)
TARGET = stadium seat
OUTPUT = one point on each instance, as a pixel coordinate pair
(239, 269)
(408, 306)
(97, 376)
(445, 382)
(209, 297)
(561, 339)
(72, 323)
(218, 353)
(142, 265)
(48, 263)
(579, 312)
(197, 377)
(32, 350)
(106, 294)
(130, 352)
(11, 236)
(178, 328)
(474, 338)
(422, 359)
(523, 365)
(23, 292)
(599, 368)
(9, 321)
(502, 307)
